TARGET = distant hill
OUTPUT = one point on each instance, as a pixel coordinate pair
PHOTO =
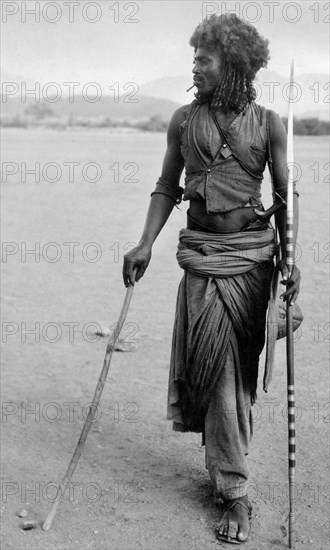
(161, 97)
(8, 76)
(145, 107)
(313, 92)
(172, 88)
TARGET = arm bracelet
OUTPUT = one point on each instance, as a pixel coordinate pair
(164, 188)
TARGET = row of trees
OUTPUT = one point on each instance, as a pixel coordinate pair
(43, 115)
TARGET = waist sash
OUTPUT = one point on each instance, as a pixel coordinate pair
(226, 254)
(222, 301)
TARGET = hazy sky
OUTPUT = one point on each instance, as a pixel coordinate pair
(145, 40)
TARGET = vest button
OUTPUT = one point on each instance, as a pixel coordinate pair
(208, 170)
(225, 144)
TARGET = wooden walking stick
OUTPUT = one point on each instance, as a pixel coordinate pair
(289, 321)
(92, 410)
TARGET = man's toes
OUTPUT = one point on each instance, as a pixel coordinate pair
(222, 530)
(222, 527)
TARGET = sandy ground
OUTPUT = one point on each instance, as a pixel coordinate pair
(138, 484)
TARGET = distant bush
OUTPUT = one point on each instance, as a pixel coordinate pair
(154, 124)
(57, 124)
(79, 121)
(13, 122)
(40, 111)
(309, 126)
(104, 123)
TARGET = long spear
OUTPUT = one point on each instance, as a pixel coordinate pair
(289, 318)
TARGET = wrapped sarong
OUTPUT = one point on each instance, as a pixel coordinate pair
(222, 301)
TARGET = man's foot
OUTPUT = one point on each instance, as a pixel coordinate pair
(235, 524)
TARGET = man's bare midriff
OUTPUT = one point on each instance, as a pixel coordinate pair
(224, 222)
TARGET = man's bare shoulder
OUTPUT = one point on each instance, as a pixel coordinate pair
(181, 112)
(275, 119)
(179, 115)
(276, 127)
(177, 118)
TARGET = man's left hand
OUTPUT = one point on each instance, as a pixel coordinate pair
(292, 283)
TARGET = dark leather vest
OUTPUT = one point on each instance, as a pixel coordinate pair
(232, 178)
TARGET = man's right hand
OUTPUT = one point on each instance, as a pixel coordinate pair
(138, 258)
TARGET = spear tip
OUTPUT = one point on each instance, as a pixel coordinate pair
(292, 70)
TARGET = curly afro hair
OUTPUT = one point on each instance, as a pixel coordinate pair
(243, 52)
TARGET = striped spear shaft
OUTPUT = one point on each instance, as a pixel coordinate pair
(289, 321)
(289, 222)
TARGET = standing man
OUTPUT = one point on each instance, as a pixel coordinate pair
(223, 139)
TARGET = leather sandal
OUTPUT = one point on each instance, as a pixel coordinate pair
(233, 526)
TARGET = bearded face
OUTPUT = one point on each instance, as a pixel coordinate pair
(206, 70)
